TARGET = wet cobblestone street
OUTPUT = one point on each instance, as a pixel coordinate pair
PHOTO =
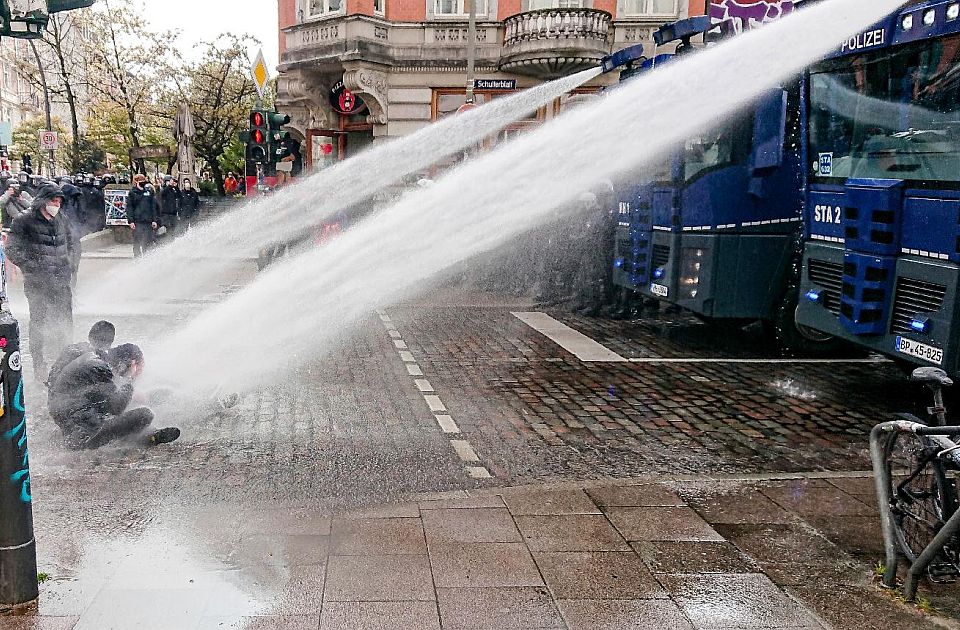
(454, 398)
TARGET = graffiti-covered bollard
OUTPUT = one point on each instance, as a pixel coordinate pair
(18, 549)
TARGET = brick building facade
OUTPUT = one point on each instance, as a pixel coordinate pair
(406, 59)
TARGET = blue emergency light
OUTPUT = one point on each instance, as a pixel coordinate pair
(658, 272)
(814, 296)
(920, 324)
(618, 263)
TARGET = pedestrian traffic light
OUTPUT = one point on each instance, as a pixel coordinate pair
(258, 141)
(56, 6)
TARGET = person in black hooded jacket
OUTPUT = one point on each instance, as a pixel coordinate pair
(72, 205)
(142, 214)
(47, 251)
(89, 400)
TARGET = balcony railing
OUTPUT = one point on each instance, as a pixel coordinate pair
(559, 24)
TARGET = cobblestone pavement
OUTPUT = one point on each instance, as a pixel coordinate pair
(452, 392)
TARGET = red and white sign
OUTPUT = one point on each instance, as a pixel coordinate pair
(49, 141)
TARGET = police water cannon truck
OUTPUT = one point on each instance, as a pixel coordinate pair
(881, 129)
(714, 227)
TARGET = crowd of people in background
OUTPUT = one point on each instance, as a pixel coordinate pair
(166, 213)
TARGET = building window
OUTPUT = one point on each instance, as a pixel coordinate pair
(7, 77)
(317, 8)
(650, 7)
(458, 7)
(378, 7)
(556, 4)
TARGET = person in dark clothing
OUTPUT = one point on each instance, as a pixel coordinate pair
(48, 253)
(94, 205)
(189, 205)
(72, 206)
(13, 203)
(170, 205)
(99, 341)
(142, 215)
(90, 398)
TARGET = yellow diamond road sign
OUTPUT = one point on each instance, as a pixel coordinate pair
(260, 73)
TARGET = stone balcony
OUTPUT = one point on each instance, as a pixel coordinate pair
(550, 43)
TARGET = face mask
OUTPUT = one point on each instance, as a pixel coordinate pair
(53, 210)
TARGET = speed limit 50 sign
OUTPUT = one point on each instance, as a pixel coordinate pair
(49, 141)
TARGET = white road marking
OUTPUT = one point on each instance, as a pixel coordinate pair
(465, 451)
(434, 403)
(447, 425)
(574, 342)
(478, 472)
(754, 361)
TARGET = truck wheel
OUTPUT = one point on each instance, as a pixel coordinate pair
(799, 341)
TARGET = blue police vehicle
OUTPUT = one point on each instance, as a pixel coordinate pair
(881, 127)
(715, 227)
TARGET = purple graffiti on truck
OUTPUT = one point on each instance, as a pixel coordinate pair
(748, 14)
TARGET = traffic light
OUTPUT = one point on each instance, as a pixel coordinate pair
(277, 135)
(57, 6)
(258, 141)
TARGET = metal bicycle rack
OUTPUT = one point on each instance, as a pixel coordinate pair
(882, 478)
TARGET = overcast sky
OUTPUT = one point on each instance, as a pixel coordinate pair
(205, 19)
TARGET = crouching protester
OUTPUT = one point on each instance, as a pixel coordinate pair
(90, 400)
(99, 340)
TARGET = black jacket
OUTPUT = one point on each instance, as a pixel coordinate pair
(94, 207)
(189, 204)
(46, 251)
(86, 394)
(73, 204)
(142, 207)
(169, 201)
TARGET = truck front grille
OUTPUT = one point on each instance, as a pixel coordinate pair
(828, 277)
(912, 298)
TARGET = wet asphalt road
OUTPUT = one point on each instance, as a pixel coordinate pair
(446, 392)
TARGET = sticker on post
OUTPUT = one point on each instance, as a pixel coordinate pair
(15, 361)
(659, 290)
(919, 350)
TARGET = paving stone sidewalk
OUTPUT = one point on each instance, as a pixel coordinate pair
(682, 554)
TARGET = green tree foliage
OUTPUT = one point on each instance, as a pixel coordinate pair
(126, 64)
(26, 141)
(220, 94)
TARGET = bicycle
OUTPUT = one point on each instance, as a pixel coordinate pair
(914, 469)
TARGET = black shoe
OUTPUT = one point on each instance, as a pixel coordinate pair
(164, 436)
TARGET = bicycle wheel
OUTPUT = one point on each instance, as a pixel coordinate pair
(921, 496)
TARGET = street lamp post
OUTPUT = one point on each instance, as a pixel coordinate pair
(471, 49)
(46, 101)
